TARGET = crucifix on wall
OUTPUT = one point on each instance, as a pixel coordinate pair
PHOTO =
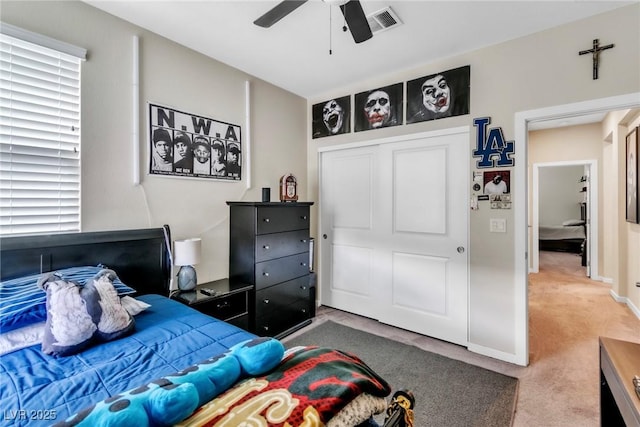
(595, 52)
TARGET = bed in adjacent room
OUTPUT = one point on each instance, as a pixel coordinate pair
(567, 237)
(130, 355)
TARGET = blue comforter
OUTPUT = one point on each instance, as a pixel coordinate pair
(37, 389)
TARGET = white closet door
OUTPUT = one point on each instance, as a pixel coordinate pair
(394, 225)
(425, 239)
(348, 241)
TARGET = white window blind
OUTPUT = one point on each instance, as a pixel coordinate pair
(39, 138)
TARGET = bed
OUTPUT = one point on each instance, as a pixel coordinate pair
(568, 237)
(174, 365)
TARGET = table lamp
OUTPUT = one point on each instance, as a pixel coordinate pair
(186, 254)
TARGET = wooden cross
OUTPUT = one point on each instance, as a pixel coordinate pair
(596, 55)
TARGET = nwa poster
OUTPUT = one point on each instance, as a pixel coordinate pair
(188, 145)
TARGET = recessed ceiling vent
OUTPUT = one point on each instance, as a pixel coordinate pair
(383, 20)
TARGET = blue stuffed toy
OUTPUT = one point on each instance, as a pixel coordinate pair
(170, 399)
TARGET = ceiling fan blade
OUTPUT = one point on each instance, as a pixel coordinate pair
(281, 10)
(356, 20)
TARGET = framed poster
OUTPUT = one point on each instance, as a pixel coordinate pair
(439, 95)
(631, 172)
(332, 117)
(497, 182)
(378, 108)
(187, 145)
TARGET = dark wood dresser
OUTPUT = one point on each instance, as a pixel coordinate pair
(269, 249)
(619, 363)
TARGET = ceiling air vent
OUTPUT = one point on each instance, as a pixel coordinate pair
(383, 20)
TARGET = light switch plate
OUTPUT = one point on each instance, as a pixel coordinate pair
(498, 225)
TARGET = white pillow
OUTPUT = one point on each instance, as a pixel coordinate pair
(133, 306)
(21, 338)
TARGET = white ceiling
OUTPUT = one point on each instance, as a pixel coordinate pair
(294, 53)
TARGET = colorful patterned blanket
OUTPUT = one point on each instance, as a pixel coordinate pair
(309, 387)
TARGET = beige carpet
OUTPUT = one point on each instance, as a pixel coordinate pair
(567, 314)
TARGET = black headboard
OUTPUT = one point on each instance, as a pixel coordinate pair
(139, 257)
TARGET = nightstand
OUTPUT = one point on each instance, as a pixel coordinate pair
(229, 302)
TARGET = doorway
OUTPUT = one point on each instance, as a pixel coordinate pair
(522, 121)
(586, 209)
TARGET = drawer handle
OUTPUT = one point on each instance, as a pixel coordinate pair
(266, 301)
(304, 310)
(266, 220)
(223, 305)
(265, 274)
(303, 217)
(265, 328)
(266, 247)
(304, 288)
(304, 240)
(304, 264)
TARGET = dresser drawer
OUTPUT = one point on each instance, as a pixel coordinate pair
(275, 219)
(278, 270)
(277, 298)
(278, 245)
(279, 321)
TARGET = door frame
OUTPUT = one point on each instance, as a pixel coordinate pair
(521, 264)
(370, 142)
(592, 216)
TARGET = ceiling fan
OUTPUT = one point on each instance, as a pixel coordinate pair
(352, 11)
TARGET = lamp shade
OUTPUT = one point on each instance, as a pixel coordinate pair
(187, 252)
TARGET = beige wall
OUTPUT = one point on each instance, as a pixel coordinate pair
(629, 266)
(529, 73)
(174, 76)
(560, 194)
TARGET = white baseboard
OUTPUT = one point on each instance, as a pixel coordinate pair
(626, 301)
(500, 355)
(607, 280)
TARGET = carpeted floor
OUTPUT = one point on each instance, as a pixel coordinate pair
(448, 392)
(567, 314)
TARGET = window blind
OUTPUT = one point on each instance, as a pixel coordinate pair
(39, 138)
